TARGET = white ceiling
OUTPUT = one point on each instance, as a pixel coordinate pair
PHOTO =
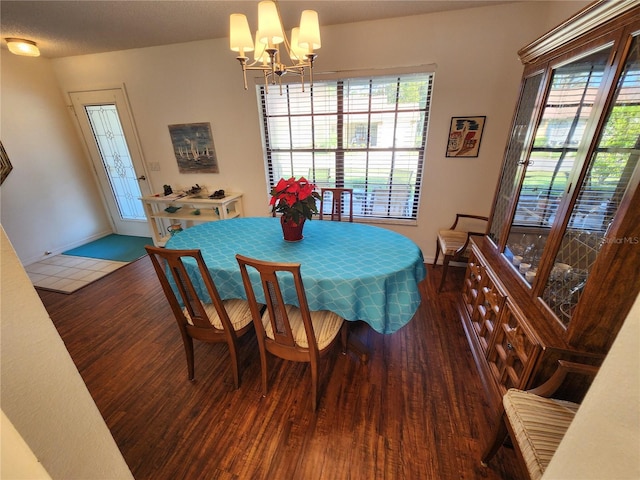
(75, 27)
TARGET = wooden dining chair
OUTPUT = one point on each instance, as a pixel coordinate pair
(535, 422)
(222, 321)
(454, 241)
(337, 202)
(286, 331)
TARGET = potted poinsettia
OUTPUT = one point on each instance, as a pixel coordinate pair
(296, 201)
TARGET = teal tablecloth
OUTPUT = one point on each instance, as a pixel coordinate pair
(360, 272)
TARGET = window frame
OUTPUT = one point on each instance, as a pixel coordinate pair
(403, 211)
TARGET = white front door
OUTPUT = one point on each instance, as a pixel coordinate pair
(108, 132)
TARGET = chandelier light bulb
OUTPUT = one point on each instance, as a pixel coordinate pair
(240, 36)
(269, 24)
(309, 31)
(296, 53)
(259, 55)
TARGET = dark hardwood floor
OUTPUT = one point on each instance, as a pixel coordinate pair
(417, 410)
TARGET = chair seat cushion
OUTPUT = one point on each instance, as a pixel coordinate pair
(238, 310)
(326, 326)
(451, 241)
(538, 424)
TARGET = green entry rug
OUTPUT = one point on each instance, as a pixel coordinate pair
(120, 248)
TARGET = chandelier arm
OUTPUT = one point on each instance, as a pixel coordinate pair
(252, 66)
(284, 32)
(266, 81)
(243, 64)
(311, 57)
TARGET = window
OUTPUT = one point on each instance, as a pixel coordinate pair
(368, 134)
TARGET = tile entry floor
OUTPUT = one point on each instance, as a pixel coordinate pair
(66, 274)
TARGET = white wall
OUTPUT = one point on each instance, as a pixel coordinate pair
(16, 458)
(49, 200)
(604, 438)
(43, 395)
(478, 73)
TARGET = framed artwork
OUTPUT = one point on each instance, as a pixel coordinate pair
(465, 134)
(193, 148)
(5, 164)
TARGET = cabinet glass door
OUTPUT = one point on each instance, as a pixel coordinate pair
(515, 156)
(569, 106)
(609, 173)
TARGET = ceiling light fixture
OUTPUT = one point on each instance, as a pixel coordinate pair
(305, 39)
(19, 46)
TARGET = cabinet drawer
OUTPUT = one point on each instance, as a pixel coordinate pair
(514, 350)
(486, 313)
(472, 284)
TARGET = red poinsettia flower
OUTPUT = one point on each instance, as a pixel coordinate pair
(294, 199)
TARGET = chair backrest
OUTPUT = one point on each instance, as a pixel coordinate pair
(337, 202)
(283, 337)
(172, 261)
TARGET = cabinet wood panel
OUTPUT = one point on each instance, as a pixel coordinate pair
(514, 350)
(557, 273)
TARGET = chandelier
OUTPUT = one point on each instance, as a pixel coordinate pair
(268, 39)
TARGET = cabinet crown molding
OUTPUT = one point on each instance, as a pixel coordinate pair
(587, 19)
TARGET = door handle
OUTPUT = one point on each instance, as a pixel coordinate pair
(142, 177)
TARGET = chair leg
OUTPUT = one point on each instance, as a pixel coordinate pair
(314, 384)
(344, 333)
(437, 252)
(263, 364)
(188, 349)
(233, 353)
(500, 434)
(445, 267)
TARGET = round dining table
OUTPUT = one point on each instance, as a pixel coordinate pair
(359, 271)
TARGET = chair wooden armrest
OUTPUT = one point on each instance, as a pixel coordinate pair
(466, 244)
(466, 215)
(535, 422)
(565, 367)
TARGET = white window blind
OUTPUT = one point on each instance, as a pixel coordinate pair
(368, 134)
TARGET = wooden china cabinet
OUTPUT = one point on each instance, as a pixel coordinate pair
(559, 268)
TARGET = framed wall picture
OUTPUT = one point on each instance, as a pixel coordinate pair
(5, 164)
(193, 148)
(465, 134)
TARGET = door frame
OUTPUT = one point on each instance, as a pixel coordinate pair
(117, 96)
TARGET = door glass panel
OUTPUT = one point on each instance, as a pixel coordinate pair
(569, 105)
(514, 157)
(116, 159)
(609, 173)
